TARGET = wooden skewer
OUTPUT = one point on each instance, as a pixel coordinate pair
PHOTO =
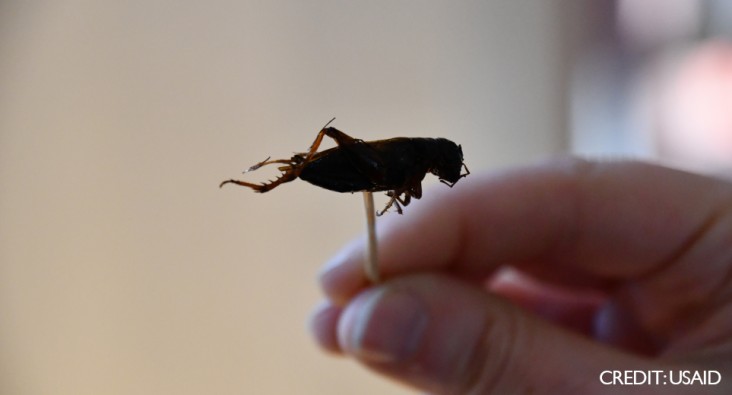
(371, 264)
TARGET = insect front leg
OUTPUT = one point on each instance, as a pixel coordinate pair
(451, 184)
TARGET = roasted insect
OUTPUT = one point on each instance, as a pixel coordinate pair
(396, 165)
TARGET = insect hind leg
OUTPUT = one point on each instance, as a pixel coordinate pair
(265, 186)
(269, 162)
(339, 137)
(293, 166)
(289, 173)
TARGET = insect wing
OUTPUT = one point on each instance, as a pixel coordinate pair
(333, 170)
(367, 159)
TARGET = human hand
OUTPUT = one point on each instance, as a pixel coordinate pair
(623, 266)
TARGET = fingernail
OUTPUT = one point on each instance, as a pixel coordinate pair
(322, 325)
(339, 278)
(334, 262)
(383, 325)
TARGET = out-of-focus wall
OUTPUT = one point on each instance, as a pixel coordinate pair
(125, 270)
(653, 80)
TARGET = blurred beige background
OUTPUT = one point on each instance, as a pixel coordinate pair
(125, 270)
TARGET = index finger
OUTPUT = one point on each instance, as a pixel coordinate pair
(568, 221)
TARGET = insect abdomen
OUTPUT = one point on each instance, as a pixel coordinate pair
(332, 170)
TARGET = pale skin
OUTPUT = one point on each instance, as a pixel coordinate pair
(623, 266)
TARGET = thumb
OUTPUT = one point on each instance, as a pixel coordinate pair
(440, 335)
